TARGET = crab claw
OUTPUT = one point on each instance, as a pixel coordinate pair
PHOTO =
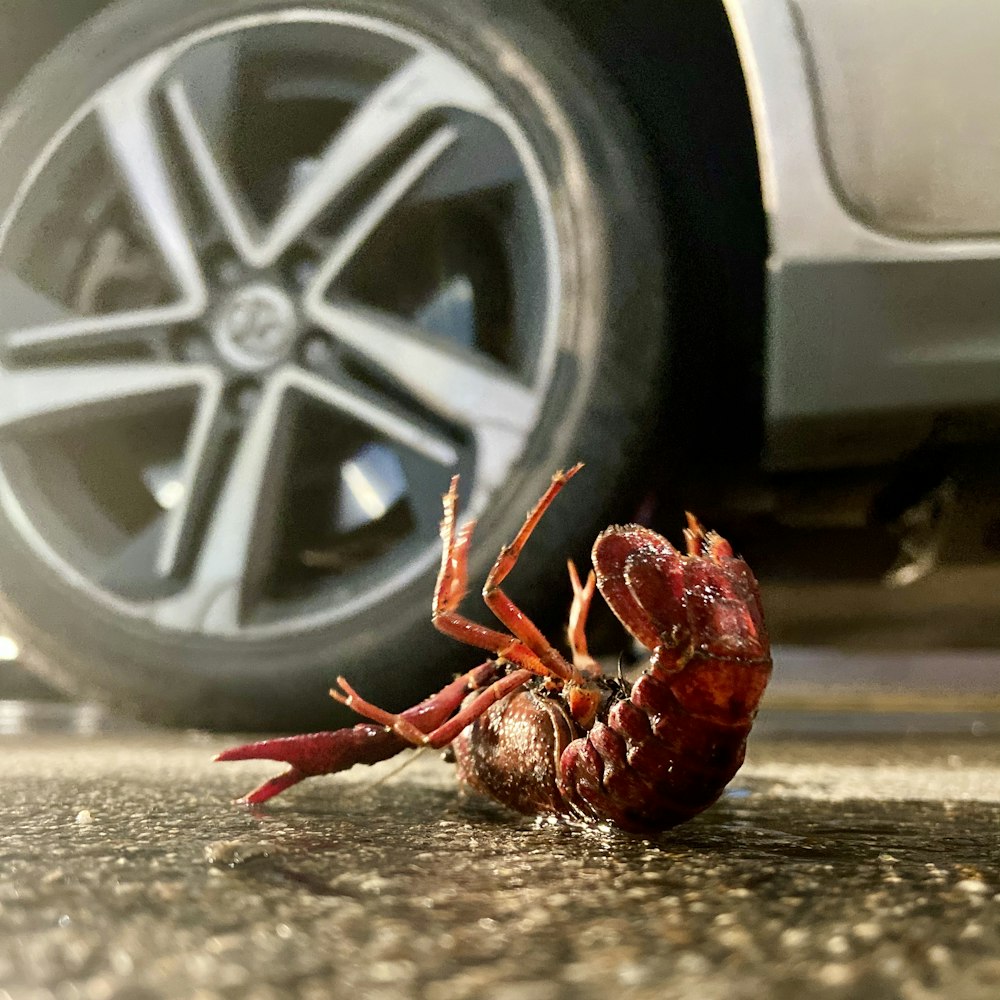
(316, 753)
(668, 599)
(367, 743)
(699, 613)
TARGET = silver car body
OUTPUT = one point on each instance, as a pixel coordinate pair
(878, 181)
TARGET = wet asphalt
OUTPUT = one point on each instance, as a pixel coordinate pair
(857, 865)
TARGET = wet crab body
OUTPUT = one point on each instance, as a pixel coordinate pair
(541, 734)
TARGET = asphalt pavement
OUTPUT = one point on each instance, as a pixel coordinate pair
(857, 865)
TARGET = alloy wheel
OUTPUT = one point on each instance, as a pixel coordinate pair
(265, 292)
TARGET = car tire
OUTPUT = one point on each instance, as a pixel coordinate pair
(600, 397)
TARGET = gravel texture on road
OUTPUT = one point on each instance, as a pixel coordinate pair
(832, 868)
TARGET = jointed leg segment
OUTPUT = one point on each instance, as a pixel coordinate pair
(505, 609)
(578, 612)
(452, 583)
(448, 730)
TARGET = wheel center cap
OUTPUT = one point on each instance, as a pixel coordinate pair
(255, 326)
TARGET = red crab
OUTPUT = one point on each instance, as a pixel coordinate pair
(544, 735)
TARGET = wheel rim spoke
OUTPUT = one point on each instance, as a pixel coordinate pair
(223, 193)
(457, 384)
(128, 126)
(41, 398)
(460, 386)
(32, 320)
(368, 219)
(376, 127)
(388, 420)
(241, 528)
(203, 452)
(130, 132)
(97, 330)
(424, 83)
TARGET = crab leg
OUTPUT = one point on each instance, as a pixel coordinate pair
(505, 609)
(315, 753)
(447, 731)
(452, 584)
(328, 752)
(578, 612)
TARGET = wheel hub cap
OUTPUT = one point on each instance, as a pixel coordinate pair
(255, 326)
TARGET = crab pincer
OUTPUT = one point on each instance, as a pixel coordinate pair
(312, 754)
